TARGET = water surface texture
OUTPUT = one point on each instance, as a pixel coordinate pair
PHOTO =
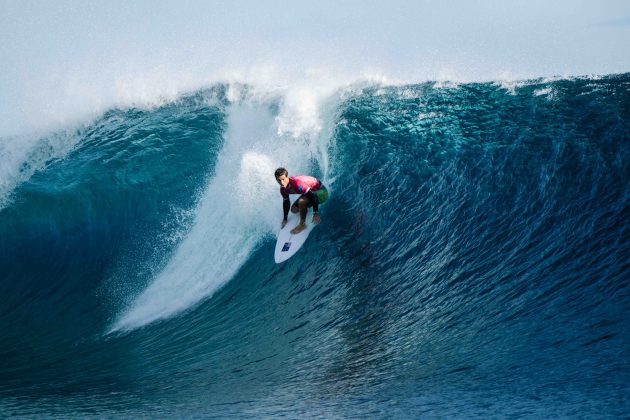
(473, 257)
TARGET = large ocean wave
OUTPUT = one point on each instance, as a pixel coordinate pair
(472, 258)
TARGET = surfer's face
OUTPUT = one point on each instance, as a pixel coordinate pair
(283, 180)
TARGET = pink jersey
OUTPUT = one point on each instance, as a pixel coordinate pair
(300, 184)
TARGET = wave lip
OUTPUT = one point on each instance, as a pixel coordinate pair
(22, 156)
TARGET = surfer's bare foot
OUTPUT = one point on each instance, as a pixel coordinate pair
(299, 228)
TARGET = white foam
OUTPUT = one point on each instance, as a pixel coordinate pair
(240, 206)
(428, 115)
(548, 92)
(510, 85)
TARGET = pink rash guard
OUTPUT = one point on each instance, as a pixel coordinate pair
(300, 184)
(306, 186)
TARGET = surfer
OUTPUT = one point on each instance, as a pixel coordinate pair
(312, 194)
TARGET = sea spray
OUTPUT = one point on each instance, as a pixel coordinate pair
(238, 206)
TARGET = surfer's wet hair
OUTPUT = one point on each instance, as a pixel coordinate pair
(280, 172)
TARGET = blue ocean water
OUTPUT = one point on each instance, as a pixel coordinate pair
(473, 259)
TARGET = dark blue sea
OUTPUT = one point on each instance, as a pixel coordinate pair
(473, 259)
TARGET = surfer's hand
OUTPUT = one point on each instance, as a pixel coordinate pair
(284, 223)
(316, 218)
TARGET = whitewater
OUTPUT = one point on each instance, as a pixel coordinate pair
(472, 258)
(236, 209)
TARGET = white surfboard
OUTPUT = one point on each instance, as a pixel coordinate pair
(288, 244)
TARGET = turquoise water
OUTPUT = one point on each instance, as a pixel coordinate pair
(472, 258)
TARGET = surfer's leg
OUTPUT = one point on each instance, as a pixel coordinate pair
(296, 206)
(321, 195)
(303, 204)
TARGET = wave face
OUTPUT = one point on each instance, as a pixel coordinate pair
(472, 259)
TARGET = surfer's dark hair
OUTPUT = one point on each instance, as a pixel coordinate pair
(281, 171)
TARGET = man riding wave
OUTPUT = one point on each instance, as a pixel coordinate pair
(312, 194)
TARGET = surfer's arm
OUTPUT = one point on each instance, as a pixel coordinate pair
(286, 204)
